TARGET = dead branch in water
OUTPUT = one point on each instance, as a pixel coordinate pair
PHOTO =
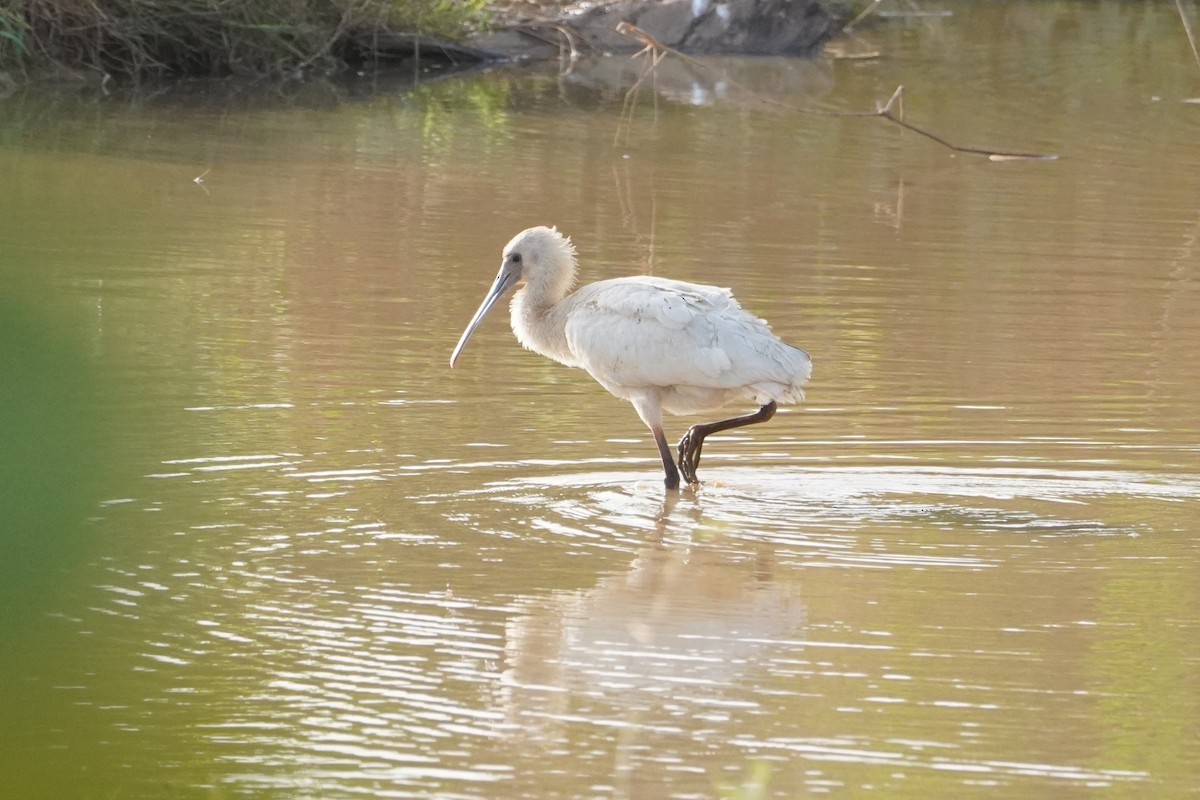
(656, 51)
(886, 111)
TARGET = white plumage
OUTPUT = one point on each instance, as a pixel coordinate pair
(661, 344)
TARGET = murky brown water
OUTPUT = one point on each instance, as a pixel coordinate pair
(320, 564)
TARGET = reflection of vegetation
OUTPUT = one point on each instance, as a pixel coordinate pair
(1140, 665)
(45, 449)
(442, 106)
(136, 38)
(754, 787)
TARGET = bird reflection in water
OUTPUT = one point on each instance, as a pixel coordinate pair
(689, 625)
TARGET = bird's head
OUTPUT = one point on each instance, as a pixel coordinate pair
(540, 254)
(540, 257)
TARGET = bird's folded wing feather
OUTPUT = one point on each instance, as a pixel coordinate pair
(656, 332)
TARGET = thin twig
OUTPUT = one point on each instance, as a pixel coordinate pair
(566, 41)
(572, 50)
(199, 179)
(865, 13)
(658, 50)
(1187, 28)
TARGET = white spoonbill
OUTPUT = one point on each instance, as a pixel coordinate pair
(662, 345)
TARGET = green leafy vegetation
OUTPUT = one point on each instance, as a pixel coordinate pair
(138, 39)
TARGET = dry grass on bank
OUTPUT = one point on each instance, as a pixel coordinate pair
(139, 39)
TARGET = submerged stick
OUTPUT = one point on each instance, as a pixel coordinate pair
(658, 51)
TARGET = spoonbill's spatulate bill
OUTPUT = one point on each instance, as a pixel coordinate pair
(662, 345)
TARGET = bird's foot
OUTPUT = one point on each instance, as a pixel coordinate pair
(689, 455)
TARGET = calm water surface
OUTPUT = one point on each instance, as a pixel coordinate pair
(316, 563)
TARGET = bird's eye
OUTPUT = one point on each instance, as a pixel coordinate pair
(516, 258)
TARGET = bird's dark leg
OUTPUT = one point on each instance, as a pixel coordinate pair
(693, 440)
(664, 450)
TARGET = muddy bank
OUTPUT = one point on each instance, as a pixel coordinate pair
(698, 27)
(171, 44)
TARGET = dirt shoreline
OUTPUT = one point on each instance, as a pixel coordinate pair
(547, 30)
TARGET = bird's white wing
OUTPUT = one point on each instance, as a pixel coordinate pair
(653, 332)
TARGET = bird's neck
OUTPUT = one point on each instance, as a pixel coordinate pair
(539, 322)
